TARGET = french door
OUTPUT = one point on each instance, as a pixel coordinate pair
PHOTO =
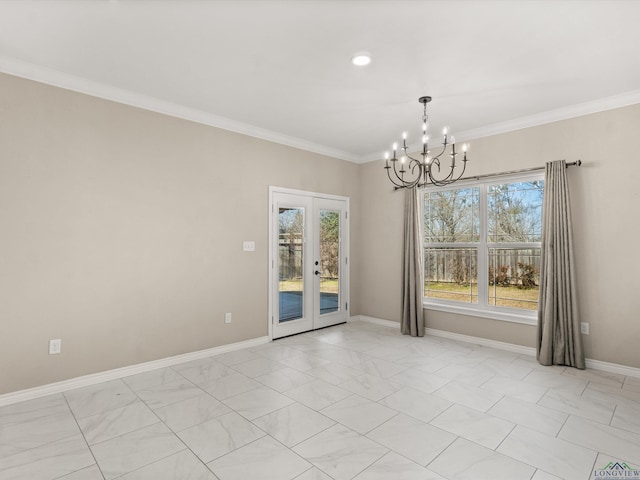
(309, 264)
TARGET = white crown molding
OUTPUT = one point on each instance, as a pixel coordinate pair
(565, 113)
(510, 347)
(59, 79)
(56, 78)
(92, 379)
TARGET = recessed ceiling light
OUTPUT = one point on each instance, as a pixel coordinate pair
(361, 59)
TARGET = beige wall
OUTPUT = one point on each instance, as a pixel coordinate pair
(121, 232)
(604, 197)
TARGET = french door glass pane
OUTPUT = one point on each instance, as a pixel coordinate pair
(290, 263)
(329, 261)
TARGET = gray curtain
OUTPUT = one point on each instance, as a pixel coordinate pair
(559, 341)
(412, 313)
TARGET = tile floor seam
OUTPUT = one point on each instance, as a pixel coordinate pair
(83, 437)
(187, 447)
(175, 401)
(457, 437)
(301, 441)
(126, 433)
(148, 464)
(505, 437)
(418, 420)
(613, 415)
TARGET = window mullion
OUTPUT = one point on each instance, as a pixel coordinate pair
(483, 251)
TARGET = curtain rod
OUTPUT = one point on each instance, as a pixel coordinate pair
(577, 163)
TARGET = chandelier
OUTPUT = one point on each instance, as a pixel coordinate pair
(421, 171)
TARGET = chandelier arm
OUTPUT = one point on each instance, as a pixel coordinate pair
(413, 164)
(403, 183)
(441, 181)
(444, 149)
(395, 171)
(434, 180)
(411, 184)
(464, 167)
(399, 181)
(410, 166)
(397, 185)
(449, 179)
(412, 158)
(400, 177)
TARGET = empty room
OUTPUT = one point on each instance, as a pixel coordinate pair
(319, 239)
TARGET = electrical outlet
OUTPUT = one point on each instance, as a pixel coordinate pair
(55, 346)
(249, 246)
(227, 317)
(584, 328)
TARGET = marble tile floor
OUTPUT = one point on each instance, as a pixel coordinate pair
(356, 401)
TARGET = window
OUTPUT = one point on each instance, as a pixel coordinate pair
(482, 247)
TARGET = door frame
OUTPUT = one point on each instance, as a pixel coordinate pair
(272, 258)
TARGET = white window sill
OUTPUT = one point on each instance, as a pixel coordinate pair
(505, 315)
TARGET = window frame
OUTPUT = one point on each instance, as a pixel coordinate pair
(482, 308)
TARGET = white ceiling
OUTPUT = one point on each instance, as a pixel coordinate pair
(280, 69)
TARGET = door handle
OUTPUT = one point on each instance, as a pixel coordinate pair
(316, 272)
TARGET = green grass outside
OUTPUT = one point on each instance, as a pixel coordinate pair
(512, 296)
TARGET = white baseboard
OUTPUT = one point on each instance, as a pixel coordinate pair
(377, 321)
(485, 342)
(510, 347)
(612, 367)
(92, 379)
